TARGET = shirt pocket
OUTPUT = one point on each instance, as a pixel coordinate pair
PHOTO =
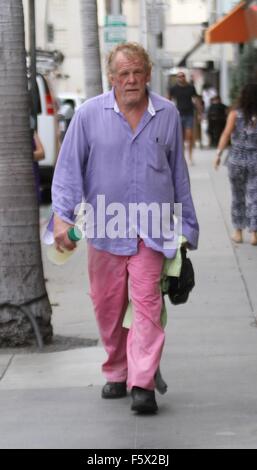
(157, 155)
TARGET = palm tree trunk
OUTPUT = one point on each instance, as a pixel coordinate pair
(93, 77)
(23, 297)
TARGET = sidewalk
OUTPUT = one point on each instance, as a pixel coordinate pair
(52, 400)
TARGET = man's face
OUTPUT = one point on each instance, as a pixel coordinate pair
(129, 79)
(181, 78)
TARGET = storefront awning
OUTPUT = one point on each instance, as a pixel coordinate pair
(238, 26)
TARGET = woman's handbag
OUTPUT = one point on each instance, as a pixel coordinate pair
(180, 287)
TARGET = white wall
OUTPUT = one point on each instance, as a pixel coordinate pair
(183, 27)
(188, 11)
(65, 15)
(131, 9)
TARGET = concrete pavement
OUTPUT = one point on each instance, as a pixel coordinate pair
(52, 400)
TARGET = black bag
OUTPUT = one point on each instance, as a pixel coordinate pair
(180, 287)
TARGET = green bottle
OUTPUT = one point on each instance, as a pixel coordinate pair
(58, 258)
(74, 234)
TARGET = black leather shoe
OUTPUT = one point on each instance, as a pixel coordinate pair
(114, 390)
(143, 401)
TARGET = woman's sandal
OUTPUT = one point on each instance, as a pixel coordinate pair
(254, 238)
(237, 237)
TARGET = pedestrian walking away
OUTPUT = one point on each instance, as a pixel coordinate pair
(241, 128)
(217, 116)
(124, 148)
(185, 96)
(208, 92)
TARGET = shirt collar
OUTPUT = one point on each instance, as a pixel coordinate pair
(110, 102)
(150, 107)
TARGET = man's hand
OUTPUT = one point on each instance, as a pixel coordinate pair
(60, 235)
(185, 245)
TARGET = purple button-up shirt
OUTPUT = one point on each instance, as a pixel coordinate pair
(102, 155)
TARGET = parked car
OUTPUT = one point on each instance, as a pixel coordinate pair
(48, 133)
(68, 103)
(75, 99)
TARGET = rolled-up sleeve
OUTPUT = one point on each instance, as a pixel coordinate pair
(67, 186)
(182, 190)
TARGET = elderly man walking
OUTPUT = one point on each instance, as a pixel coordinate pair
(125, 146)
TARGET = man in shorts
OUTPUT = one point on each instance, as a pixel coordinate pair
(185, 97)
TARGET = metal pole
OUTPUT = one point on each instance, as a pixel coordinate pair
(143, 24)
(224, 92)
(153, 16)
(212, 13)
(116, 7)
(33, 67)
(46, 23)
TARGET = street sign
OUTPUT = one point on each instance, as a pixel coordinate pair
(112, 20)
(115, 30)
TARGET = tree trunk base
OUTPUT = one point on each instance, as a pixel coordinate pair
(16, 328)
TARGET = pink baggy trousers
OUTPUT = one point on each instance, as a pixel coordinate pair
(132, 355)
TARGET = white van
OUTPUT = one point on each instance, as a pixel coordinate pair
(74, 99)
(48, 133)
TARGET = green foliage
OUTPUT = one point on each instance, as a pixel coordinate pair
(245, 71)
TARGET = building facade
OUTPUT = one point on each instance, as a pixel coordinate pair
(58, 27)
